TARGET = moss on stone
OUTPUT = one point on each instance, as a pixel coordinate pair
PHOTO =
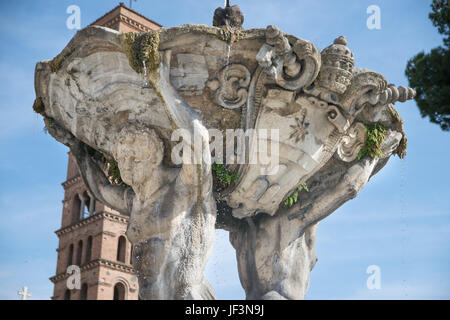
(230, 37)
(38, 106)
(127, 45)
(239, 35)
(376, 134)
(49, 122)
(401, 149)
(57, 61)
(142, 47)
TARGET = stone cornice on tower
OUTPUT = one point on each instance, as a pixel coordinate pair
(114, 265)
(66, 184)
(91, 219)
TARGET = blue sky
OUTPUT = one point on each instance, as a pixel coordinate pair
(400, 221)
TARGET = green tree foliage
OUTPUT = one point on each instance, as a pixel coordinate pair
(441, 18)
(429, 73)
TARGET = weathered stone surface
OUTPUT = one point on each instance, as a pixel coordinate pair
(101, 100)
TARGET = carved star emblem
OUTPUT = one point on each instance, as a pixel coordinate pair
(299, 129)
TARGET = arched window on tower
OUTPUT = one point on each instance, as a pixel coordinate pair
(89, 249)
(121, 249)
(79, 252)
(70, 255)
(119, 291)
(84, 292)
(76, 208)
(67, 295)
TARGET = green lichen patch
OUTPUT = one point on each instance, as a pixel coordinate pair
(376, 134)
(142, 47)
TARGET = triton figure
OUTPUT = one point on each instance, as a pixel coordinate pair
(230, 16)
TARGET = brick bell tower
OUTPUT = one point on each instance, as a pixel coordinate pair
(92, 236)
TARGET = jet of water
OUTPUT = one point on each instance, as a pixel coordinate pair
(145, 75)
(229, 54)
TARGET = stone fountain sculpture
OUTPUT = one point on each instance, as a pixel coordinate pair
(119, 98)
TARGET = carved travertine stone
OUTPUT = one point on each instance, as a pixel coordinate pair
(101, 100)
(232, 86)
(191, 74)
(352, 142)
(293, 66)
(337, 66)
(313, 122)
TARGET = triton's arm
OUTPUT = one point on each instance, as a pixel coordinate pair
(116, 197)
(348, 188)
